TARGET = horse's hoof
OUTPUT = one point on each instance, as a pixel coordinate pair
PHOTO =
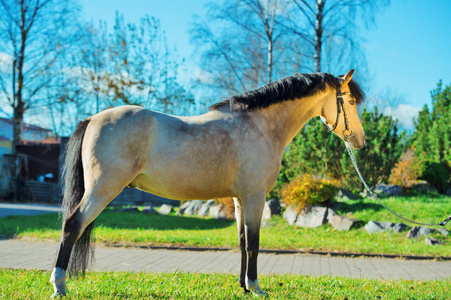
(260, 293)
(58, 294)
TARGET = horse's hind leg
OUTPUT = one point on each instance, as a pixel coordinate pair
(74, 230)
(242, 241)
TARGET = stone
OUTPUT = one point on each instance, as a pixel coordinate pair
(433, 242)
(274, 206)
(266, 212)
(217, 212)
(377, 227)
(290, 214)
(312, 217)
(149, 210)
(165, 209)
(347, 194)
(387, 225)
(330, 214)
(203, 210)
(448, 192)
(389, 190)
(193, 207)
(211, 202)
(341, 223)
(400, 227)
(418, 231)
(183, 207)
(443, 231)
(129, 209)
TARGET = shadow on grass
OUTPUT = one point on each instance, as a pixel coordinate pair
(14, 225)
(134, 220)
(358, 205)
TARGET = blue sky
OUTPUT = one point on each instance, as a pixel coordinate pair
(408, 51)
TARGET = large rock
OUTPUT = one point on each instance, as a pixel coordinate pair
(274, 206)
(266, 212)
(217, 212)
(433, 241)
(341, 223)
(193, 207)
(204, 208)
(129, 209)
(418, 231)
(314, 216)
(330, 214)
(347, 194)
(290, 214)
(448, 192)
(400, 227)
(165, 209)
(182, 208)
(389, 190)
(377, 227)
(149, 210)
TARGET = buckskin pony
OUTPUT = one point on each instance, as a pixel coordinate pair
(234, 150)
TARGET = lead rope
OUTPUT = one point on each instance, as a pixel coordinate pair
(351, 154)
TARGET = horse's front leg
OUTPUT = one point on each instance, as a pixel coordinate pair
(242, 241)
(253, 209)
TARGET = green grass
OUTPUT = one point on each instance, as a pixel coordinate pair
(21, 284)
(140, 229)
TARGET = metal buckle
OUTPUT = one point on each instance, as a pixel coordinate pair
(347, 136)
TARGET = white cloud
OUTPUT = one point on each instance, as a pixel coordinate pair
(405, 114)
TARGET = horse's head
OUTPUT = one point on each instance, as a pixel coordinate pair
(340, 112)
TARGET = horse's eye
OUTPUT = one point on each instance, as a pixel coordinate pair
(352, 102)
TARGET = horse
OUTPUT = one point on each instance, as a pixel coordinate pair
(234, 150)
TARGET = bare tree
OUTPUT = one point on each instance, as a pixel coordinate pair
(34, 33)
(130, 64)
(330, 23)
(243, 46)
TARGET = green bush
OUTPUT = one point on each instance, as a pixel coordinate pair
(435, 174)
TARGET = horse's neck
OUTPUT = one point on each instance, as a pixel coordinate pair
(284, 120)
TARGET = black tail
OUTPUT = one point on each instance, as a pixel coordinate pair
(73, 190)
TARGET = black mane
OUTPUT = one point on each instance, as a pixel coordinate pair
(289, 88)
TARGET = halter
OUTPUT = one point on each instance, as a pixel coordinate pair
(340, 102)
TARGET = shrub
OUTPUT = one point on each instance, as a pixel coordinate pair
(307, 191)
(436, 174)
(406, 172)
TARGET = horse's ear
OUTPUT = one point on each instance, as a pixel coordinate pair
(347, 78)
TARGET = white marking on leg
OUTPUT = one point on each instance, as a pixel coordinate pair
(253, 286)
(58, 279)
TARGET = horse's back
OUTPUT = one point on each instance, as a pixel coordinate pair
(176, 157)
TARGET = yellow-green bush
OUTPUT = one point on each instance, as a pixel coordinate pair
(308, 190)
(406, 172)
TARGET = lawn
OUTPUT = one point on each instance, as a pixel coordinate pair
(136, 228)
(21, 284)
